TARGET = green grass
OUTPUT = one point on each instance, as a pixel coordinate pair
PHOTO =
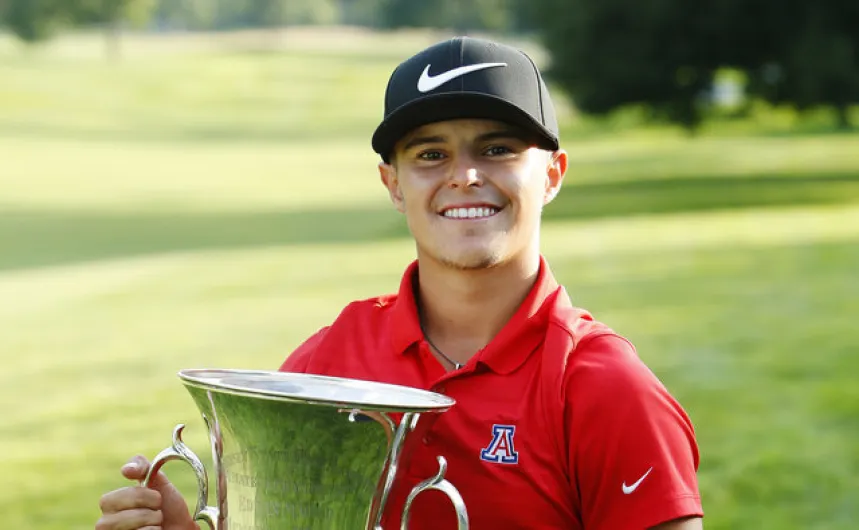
(209, 205)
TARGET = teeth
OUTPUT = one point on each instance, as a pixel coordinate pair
(470, 213)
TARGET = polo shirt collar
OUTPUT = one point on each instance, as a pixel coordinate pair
(404, 313)
(516, 340)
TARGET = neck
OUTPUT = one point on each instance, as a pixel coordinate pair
(462, 310)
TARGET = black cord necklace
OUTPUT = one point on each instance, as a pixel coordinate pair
(456, 365)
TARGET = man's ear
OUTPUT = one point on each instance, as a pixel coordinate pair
(555, 170)
(388, 173)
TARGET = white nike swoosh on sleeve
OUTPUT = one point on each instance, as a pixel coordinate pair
(629, 489)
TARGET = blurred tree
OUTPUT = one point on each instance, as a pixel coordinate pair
(362, 12)
(813, 57)
(232, 14)
(32, 20)
(524, 16)
(274, 13)
(185, 14)
(312, 12)
(111, 15)
(663, 54)
(459, 16)
(660, 54)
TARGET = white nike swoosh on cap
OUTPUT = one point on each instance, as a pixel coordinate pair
(427, 82)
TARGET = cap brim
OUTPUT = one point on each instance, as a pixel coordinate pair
(453, 106)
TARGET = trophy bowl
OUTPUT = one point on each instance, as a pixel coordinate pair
(299, 451)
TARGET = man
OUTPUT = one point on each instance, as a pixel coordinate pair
(558, 424)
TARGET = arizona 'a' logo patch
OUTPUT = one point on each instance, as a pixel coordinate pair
(501, 449)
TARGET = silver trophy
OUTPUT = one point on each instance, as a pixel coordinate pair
(298, 451)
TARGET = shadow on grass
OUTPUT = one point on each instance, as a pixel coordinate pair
(700, 193)
(762, 123)
(34, 238)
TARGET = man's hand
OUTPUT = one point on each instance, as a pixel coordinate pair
(158, 507)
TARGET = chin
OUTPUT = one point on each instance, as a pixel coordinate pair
(470, 261)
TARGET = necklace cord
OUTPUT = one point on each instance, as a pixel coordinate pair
(455, 364)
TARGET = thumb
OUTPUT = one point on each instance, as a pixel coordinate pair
(138, 467)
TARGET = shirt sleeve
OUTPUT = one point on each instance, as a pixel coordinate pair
(299, 360)
(632, 450)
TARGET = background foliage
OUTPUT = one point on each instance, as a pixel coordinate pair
(666, 57)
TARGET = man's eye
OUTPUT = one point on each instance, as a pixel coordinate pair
(430, 155)
(497, 150)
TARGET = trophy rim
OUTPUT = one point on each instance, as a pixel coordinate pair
(413, 399)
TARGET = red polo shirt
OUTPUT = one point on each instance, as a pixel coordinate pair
(557, 422)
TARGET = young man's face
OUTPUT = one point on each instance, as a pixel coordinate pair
(472, 191)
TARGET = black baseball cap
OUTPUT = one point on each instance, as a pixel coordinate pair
(466, 77)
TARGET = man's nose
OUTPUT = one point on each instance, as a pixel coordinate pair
(465, 173)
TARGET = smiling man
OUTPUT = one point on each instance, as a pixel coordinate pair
(557, 424)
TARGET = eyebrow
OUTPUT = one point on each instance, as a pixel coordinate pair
(421, 140)
(502, 134)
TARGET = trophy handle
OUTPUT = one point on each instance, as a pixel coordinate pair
(180, 451)
(439, 483)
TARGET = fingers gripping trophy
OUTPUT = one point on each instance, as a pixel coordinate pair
(299, 451)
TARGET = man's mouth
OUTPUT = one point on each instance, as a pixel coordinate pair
(476, 212)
